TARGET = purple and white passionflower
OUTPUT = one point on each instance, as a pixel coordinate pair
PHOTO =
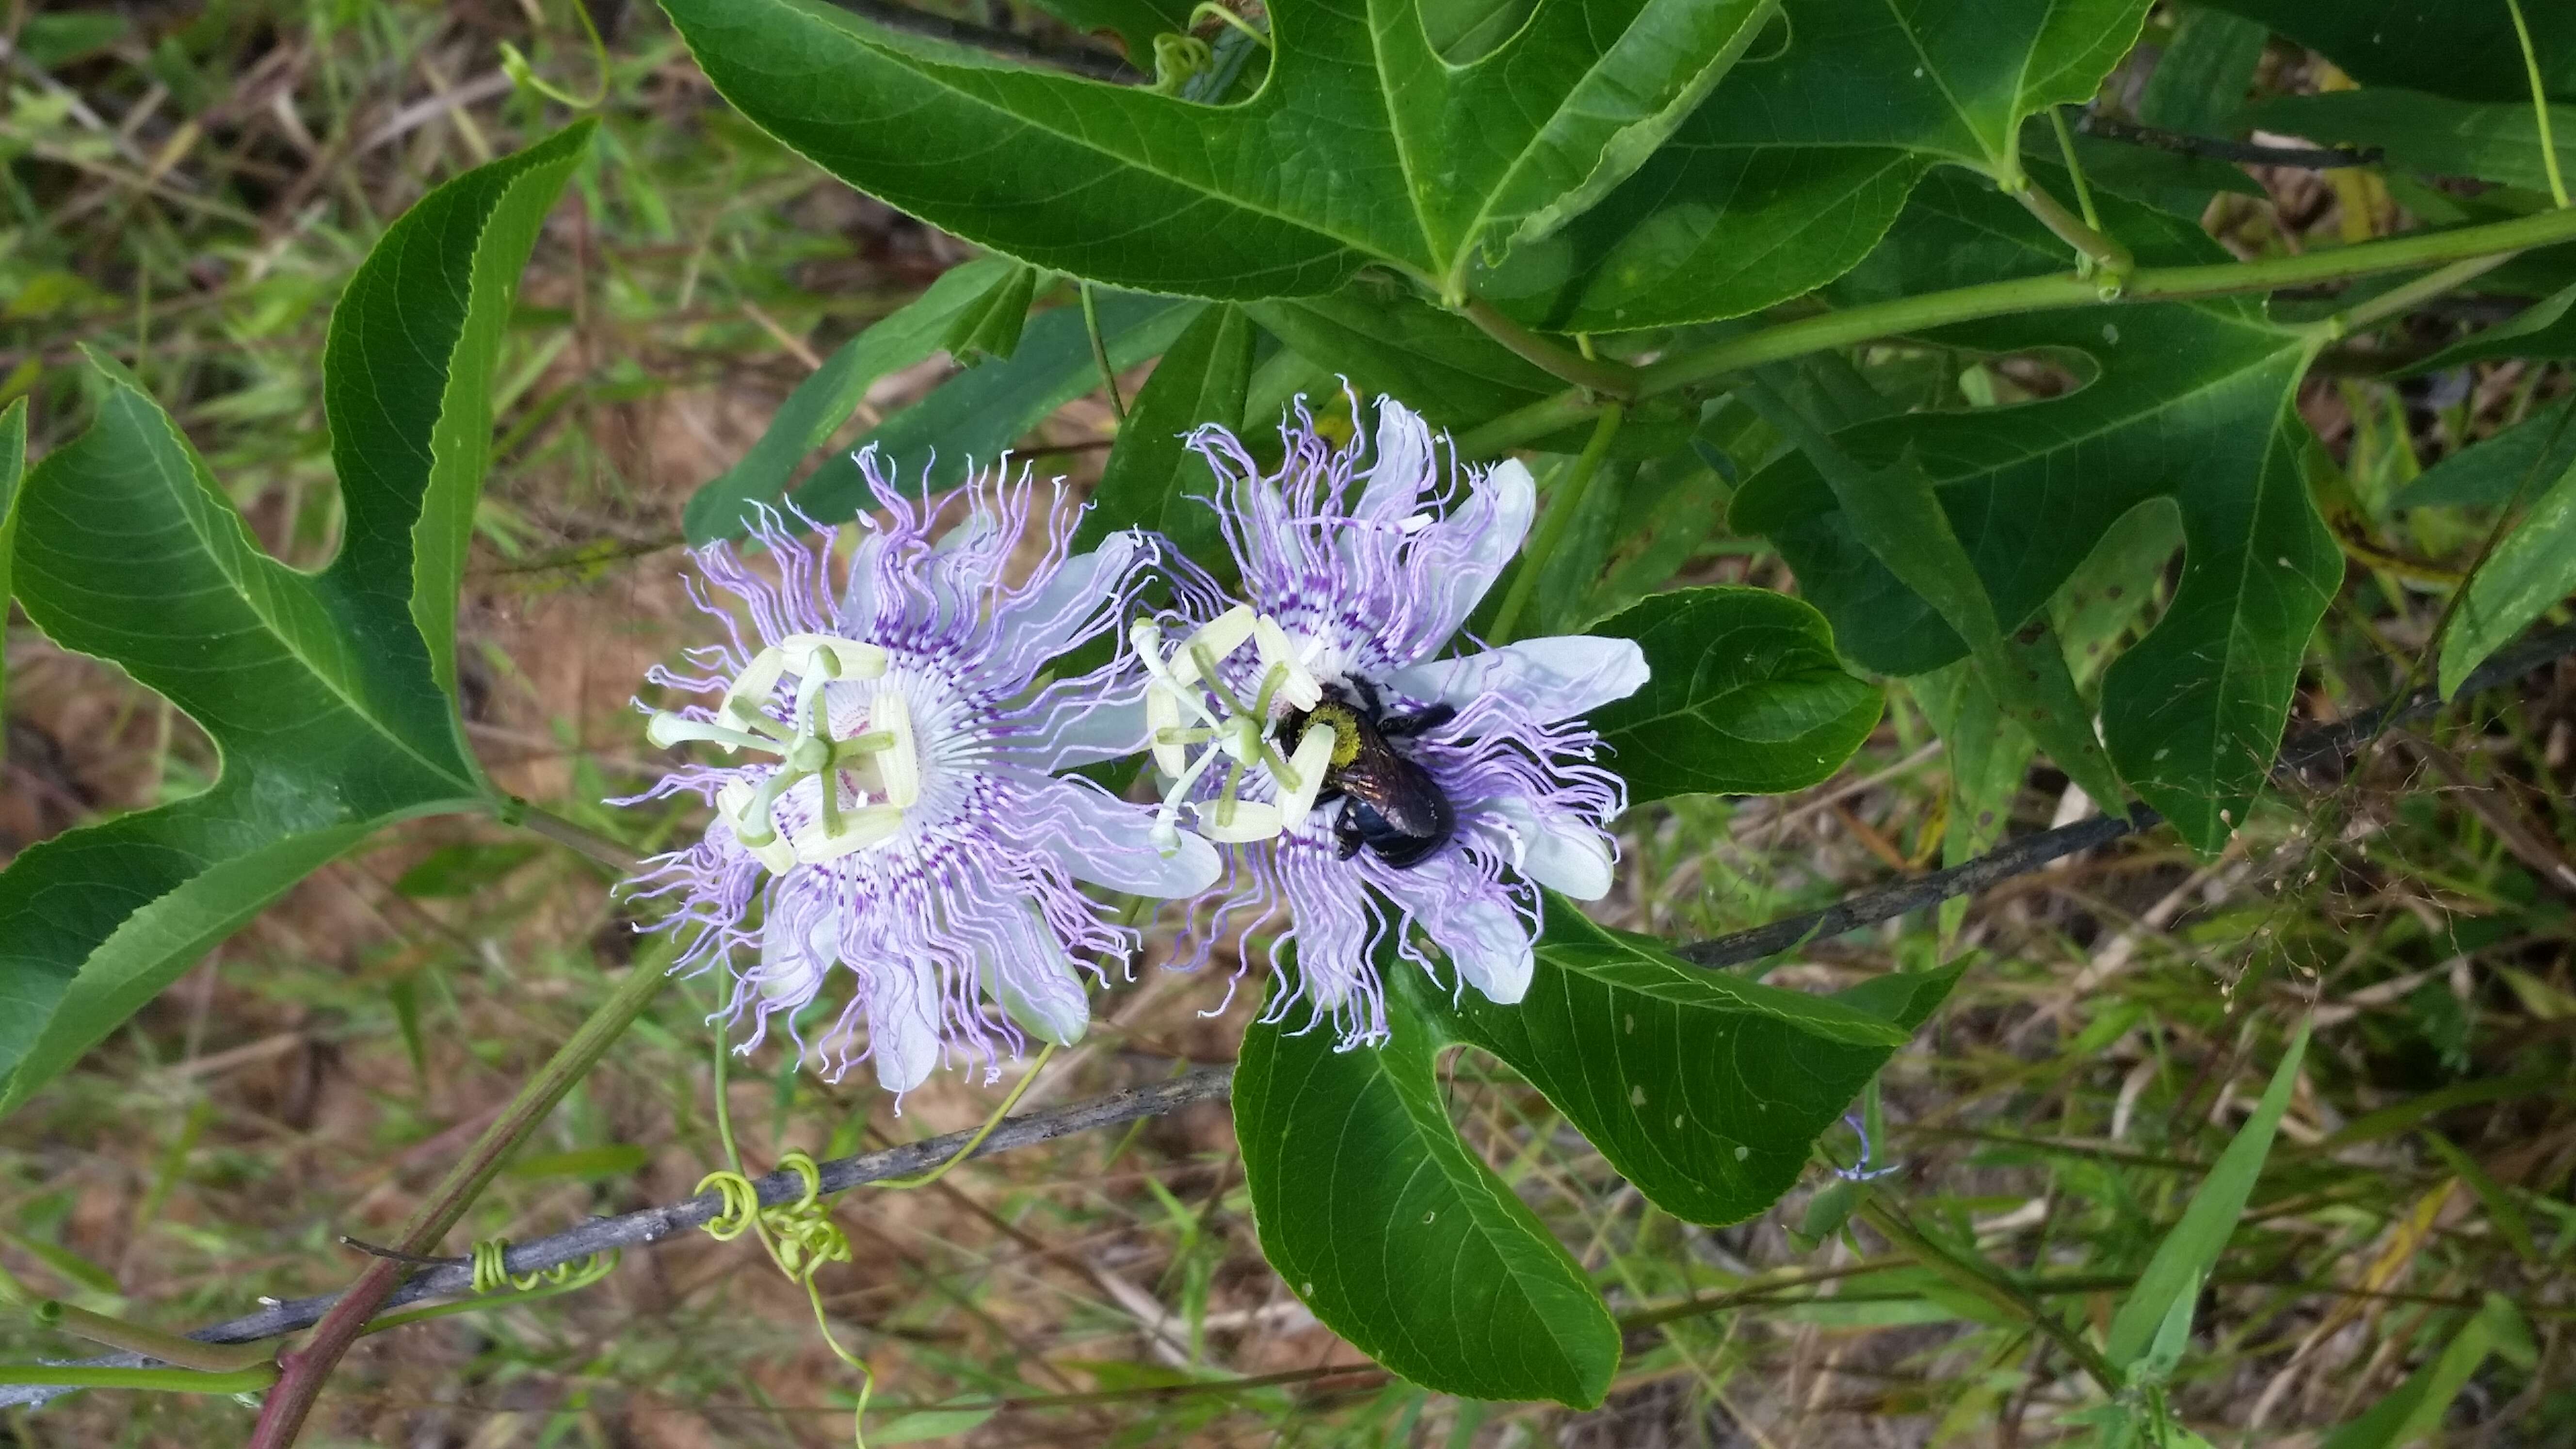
(1358, 575)
(889, 794)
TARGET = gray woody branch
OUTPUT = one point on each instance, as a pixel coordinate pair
(2309, 749)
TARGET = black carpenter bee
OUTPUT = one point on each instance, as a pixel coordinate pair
(1389, 802)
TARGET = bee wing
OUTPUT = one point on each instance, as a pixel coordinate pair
(1397, 789)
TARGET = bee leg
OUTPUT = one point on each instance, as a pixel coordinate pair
(1404, 726)
(1346, 830)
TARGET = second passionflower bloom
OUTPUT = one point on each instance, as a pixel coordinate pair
(1377, 781)
(884, 761)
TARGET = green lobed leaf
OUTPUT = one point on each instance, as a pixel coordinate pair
(974, 417)
(1898, 517)
(328, 696)
(2493, 472)
(2189, 1251)
(723, 506)
(128, 550)
(2532, 570)
(407, 389)
(1746, 696)
(2466, 50)
(13, 467)
(1362, 144)
(1705, 1090)
(1152, 479)
(2187, 401)
(1799, 161)
(1382, 1221)
(2491, 140)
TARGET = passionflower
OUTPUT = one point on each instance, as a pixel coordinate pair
(1376, 783)
(884, 757)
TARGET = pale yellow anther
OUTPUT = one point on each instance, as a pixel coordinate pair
(860, 829)
(1314, 755)
(1235, 822)
(748, 696)
(666, 729)
(851, 658)
(1219, 637)
(899, 763)
(734, 803)
(1299, 689)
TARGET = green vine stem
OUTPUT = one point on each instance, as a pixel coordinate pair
(2028, 294)
(167, 1381)
(515, 811)
(282, 1415)
(1614, 379)
(1982, 1280)
(2539, 104)
(2103, 261)
(1564, 501)
(170, 1348)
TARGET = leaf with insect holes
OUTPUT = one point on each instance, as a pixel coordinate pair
(1707, 1091)
(1805, 153)
(1744, 696)
(329, 696)
(2187, 401)
(1398, 1237)
(1364, 142)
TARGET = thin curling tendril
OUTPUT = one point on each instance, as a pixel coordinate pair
(800, 1236)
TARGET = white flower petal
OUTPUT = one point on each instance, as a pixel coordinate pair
(1474, 924)
(1103, 840)
(1558, 677)
(1043, 625)
(1040, 989)
(1078, 732)
(903, 1022)
(1566, 856)
(1472, 545)
(1403, 468)
(791, 970)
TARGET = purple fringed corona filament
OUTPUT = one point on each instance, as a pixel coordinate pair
(889, 798)
(1359, 573)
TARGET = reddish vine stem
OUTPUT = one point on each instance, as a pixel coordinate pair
(303, 1371)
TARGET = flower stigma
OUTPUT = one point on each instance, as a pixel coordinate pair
(883, 760)
(1188, 704)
